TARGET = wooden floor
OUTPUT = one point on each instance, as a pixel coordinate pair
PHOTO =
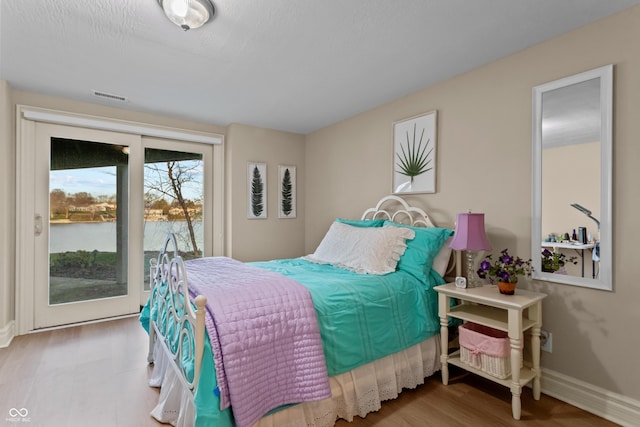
(90, 375)
(96, 375)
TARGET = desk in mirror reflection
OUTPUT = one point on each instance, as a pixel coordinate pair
(579, 248)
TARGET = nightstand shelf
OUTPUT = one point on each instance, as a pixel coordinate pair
(526, 374)
(513, 314)
(489, 316)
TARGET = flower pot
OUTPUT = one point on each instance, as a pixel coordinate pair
(506, 288)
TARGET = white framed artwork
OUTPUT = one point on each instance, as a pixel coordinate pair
(256, 190)
(414, 154)
(286, 191)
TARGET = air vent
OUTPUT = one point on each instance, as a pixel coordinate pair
(109, 96)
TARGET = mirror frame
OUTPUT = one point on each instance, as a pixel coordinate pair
(604, 280)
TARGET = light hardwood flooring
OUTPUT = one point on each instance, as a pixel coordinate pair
(90, 375)
(96, 375)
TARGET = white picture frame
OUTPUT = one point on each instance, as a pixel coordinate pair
(256, 190)
(414, 154)
(287, 191)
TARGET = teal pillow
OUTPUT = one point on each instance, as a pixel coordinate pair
(362, 222)
(421, 250)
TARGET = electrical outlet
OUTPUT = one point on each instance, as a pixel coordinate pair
(545, 341)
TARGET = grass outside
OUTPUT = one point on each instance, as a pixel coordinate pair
(83, 275)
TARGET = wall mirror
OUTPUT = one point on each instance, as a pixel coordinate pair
(572, 176)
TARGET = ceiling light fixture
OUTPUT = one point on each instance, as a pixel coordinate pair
(187, 14)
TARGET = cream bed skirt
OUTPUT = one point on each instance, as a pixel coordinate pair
(356, 392)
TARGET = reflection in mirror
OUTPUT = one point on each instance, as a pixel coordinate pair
(571, 225)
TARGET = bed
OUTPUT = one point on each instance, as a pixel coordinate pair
(372, 329)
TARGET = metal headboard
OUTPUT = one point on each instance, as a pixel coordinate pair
(397, 210)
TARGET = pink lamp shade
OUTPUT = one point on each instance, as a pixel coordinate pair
(470, 234)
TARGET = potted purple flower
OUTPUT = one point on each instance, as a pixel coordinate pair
(554, 262)
(504, 270)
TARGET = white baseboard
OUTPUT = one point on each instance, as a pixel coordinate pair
(6, 334)
(604, 403)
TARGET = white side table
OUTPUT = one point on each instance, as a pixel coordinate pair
(513, 314)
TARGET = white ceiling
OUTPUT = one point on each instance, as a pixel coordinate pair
(294, 65)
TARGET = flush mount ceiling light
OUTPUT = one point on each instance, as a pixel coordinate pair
(187, 14)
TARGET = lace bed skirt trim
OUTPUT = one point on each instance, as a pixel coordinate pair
(357, 392)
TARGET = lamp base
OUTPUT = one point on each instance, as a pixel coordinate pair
(473, 281)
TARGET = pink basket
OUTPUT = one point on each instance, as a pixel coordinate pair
(486, 349)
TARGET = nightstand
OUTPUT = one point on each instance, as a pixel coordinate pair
(513, 314)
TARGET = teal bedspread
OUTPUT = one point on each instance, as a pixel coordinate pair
(362, 318)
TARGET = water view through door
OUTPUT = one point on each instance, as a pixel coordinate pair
(86, 183)
(89, 186)
(104, 203)
(88, 216)
(173, 203)
(94, 207)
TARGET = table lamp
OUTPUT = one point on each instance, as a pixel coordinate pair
(471, 238)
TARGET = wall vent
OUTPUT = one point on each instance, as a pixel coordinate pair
(109, 96)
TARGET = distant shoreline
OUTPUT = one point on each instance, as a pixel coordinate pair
(68, 221)
(102, 236)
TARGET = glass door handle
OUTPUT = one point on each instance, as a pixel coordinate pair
(37, 226)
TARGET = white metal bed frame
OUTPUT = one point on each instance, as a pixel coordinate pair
(169, 268)
(397, 210)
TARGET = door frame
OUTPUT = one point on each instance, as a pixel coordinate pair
(26, 118)
(47, 315)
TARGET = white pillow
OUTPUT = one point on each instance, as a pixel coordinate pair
(441, 261)
(374, 250)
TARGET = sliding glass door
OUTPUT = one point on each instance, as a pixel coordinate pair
(85, 200)
(104, 203)
(176, 184)
(88, 216)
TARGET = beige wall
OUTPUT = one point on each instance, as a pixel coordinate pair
(273, 237)
(484, 164)
(571, 175)
(7, 211)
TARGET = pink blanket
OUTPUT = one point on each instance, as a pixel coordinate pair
(264, 334)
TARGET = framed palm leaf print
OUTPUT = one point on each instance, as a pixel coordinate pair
(256, 190)
(286, 191)
(414, 154)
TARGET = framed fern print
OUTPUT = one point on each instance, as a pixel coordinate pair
(414, 154)
(256, 190)
(286, 191)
